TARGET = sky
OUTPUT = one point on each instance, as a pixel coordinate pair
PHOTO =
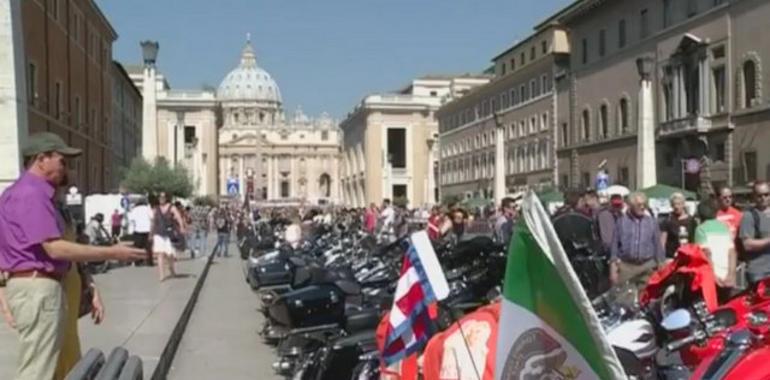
(325, 55)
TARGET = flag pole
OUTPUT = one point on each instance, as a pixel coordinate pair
(462, 333)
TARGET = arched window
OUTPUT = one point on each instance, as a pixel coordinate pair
(586, 125)
(749, 83)
(623, 116)
(604, 128)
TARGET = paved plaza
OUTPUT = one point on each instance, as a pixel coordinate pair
(221, 340)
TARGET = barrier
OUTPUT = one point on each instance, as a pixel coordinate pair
(118, 366)
(88, 366)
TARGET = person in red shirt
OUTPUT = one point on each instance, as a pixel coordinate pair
(434, 223)
(727, 213)
(370, 218)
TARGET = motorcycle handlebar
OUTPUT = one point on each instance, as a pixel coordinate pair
(681, 343)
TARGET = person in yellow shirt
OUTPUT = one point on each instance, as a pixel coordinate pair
(72, 282)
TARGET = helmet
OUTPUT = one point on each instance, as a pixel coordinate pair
(636, 335)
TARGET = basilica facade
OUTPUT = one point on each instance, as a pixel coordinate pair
(238, 142)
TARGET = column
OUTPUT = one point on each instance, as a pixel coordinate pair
(149, 115)
(646, 173)
(270, 177)
(276, 179)
(682, 92)
(242, 177)
(429, 199)
(499, 164)
(293, 178)
(222, 175)
(13, 92)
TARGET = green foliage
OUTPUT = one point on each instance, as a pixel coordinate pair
(145, 178)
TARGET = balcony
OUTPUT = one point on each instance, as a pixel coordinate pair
(691, 124)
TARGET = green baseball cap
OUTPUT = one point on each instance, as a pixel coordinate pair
(46, 142)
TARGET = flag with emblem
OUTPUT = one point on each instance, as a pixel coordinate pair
(421, 284)
(548, 328)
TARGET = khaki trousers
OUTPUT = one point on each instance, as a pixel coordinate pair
(638, 272)
(38, 307)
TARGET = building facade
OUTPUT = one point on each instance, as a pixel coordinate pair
(710, 111)
(64, 51)
(390, 147)
(126, 131)
(523, 96)
(236, 140)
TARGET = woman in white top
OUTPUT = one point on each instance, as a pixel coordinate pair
(293, 233)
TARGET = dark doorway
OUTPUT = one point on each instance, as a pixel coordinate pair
(284, 189)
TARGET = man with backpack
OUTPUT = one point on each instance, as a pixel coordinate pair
(223, 225)
(755, 234)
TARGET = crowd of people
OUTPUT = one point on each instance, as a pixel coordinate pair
(637, 243)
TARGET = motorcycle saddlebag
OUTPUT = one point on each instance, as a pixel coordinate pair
(314, 305)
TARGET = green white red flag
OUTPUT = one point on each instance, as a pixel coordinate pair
(548, 329)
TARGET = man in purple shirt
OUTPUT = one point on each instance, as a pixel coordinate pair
(636, 248)
(35, 257)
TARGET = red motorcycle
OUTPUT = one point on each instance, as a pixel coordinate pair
(733, 342)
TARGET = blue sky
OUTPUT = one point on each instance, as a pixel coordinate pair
(326, 55)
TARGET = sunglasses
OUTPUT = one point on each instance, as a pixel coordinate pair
(727, 197)
(763, 195)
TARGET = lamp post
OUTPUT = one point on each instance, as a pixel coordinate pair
(149, 103)
(429, 192)
(646, 169)
(499, 159)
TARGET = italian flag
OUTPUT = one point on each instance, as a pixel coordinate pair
(548, 329)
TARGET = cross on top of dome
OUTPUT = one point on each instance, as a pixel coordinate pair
(248, 57)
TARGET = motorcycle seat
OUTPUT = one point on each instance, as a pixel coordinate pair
(348, 287)
(361, 320)
(354, 339)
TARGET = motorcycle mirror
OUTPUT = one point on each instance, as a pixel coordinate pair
(677, 320)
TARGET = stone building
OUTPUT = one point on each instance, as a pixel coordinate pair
(390, 147)
(707, 70)
(58, 57)
(237, 141)
(126, 132)
(523, 97)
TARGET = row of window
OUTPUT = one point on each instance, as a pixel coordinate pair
(523, 128)
(512, 97)
(523, 57)
(644, 27)
(602, 128)
(521, 159)
(56, 109)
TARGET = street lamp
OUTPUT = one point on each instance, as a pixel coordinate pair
(149, 51)
(644, 66)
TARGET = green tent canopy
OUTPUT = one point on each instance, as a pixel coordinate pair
(664, 192)
(551, 196)
(476, 202)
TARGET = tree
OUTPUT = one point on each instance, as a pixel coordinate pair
(145, 178)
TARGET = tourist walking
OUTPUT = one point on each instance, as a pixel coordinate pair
(223, 224)
(370, 218)
(755, 234)
(36, 257)
(168, 229)
(140, 219)
(201, 222)
(117, 224)
(636, 248)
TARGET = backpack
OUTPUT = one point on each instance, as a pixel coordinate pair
(739, 248)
